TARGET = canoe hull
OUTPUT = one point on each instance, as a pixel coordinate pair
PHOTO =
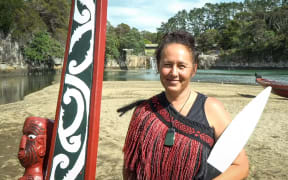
(278, 88)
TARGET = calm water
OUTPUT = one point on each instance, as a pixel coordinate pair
(216, 76)
(15, 88)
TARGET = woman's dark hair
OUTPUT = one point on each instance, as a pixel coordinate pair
(180, 37)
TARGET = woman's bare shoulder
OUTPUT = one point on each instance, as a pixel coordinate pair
(217, 116)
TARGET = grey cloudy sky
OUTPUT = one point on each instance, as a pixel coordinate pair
(148, 14)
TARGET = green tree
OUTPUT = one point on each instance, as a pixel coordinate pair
(196, 21)
(177, 22)
(254, 29)
(55, 14)
(112, 43)
(41, 49)
(24, 18)
(8, 10)
(277, 20)
(132, 40)
(123, 37)
(208, 40)
(24, 27)
(149, 37)
(122, 29)
(129, 39)
(230, 35)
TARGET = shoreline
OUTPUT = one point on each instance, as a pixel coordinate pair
(266, 148)
(11, 71)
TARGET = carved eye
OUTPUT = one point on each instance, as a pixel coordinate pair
(31, 136)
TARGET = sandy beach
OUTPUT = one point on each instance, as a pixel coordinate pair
(266, 149)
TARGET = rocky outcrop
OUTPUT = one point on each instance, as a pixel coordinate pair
(131, 62)
(213, 61)
(207, 61)
(250, 65)
(11, 57)
(111, 63)
(12, 60)
(134, 61)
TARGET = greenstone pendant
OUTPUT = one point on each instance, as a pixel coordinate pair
(170, 137)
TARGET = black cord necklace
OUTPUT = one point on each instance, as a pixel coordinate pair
(170, 135)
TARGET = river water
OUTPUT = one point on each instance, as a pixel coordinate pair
(15, 88)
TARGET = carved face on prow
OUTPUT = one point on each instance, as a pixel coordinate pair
(32, 147)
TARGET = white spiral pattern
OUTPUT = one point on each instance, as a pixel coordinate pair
(79, 92)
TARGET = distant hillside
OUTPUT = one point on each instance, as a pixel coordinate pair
(25, 25)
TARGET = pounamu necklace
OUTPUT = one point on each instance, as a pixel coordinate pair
(170, 135)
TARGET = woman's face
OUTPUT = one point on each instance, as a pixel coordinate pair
(176, 68)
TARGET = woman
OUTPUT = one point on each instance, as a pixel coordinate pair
(171, 135)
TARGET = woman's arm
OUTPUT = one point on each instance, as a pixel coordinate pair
(238, 170)
(219, 119)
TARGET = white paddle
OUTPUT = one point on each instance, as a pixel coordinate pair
(236, 135)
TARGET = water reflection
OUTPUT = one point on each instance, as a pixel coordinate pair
(14, 89)
(131, 75)
(215, 76)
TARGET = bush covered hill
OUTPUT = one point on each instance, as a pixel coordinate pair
(37, 29)
(252, 31)
(249, 33)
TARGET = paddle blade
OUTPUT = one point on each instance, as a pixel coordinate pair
(235, 136)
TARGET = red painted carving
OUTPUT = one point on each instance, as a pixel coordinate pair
(34, 145)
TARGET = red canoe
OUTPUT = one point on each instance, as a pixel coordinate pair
(278, 88)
